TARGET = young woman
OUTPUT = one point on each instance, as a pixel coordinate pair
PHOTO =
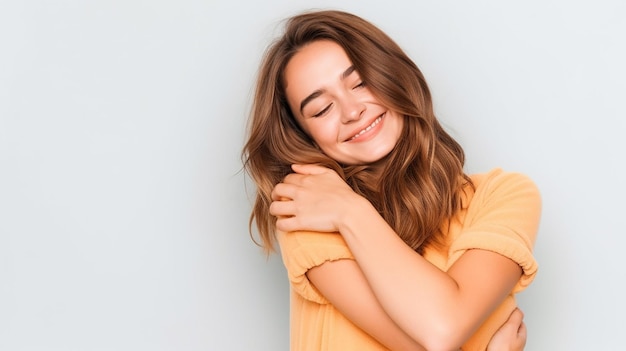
(388, 244)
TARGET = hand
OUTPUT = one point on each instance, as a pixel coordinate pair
(512, 334)
(312, 198)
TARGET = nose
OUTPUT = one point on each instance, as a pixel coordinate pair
(352, 109)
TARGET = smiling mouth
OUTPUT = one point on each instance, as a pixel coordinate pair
(367, 129)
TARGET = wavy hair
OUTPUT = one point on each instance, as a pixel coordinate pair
(422, 176)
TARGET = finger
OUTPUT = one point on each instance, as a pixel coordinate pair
(514, 322)
(287, 224)
(516, 318)
(294, 178)
(281, 208)
(522, 331)
(309, 169)
(282, 192)
(522, 336)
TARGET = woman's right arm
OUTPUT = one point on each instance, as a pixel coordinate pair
(343, 284)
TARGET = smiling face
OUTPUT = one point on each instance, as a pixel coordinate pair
(336, 108)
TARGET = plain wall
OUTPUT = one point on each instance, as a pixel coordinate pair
(124, 211)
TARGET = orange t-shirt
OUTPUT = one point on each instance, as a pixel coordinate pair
(501, 215)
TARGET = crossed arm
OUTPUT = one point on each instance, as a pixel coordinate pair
(343, 284)
(391, 292)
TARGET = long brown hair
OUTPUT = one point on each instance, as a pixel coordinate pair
(416, 188)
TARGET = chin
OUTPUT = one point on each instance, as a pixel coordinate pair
(371, 159)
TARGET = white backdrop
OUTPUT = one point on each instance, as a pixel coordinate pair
(123, 211)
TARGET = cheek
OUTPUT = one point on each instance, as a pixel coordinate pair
(324, 134)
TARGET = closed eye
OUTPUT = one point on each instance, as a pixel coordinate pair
(322, 112)
(360, 85)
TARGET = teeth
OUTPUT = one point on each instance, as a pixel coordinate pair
(368, 128)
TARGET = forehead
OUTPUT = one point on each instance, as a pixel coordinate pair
(314, 66)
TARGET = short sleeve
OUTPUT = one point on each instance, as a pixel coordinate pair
(302, 251)
(503, 217)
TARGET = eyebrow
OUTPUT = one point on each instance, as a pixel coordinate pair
(319, 92)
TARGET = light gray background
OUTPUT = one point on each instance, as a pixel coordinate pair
(123, 211)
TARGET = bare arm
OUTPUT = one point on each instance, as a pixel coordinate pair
(343, 284)
(440, 310)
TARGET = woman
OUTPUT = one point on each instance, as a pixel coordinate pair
(388, 244)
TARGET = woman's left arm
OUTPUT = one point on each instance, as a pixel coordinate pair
(440, 310)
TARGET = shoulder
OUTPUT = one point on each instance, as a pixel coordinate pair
(502, 215)
(503, 187)
(498, 177)
(304, 250)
